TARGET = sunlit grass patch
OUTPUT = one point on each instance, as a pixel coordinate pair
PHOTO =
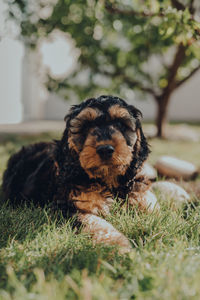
(44, 256)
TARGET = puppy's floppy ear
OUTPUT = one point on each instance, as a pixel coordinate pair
(136, 113)
(141, 148)
(74, 110)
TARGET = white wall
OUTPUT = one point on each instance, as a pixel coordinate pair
(185, 102)
(32, 101)
(11, 53)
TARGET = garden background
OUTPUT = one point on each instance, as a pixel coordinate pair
(55, 53)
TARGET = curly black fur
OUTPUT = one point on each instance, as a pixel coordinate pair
(47, 172)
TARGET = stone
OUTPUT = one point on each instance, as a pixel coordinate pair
(169, 190)
(183, 132)
(176, 168)
(151, 201)
(148, 171)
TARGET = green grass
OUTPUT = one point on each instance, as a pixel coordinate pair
(43, 257)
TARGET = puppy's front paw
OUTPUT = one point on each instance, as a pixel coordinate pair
(103, 232)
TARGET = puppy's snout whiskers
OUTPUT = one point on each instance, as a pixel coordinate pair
(118, 160)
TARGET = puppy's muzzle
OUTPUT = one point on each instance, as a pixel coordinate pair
(105, 151)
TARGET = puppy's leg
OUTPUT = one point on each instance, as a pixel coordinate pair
(94, 200)
(104, 232)
(146, 201)
(140, 196)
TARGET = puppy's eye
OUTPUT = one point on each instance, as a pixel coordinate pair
(124, 124)
(85, 126)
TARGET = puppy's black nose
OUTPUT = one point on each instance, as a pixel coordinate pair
(105, 151)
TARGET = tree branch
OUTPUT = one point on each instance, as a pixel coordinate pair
(115, 10)
(132, 82)
(139, 85)
(191, 7)
(178, 59)
(177, 5)
(180, 82)
(110, 7)
(119, 73)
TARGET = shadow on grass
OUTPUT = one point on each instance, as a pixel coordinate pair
(67, 254)
(24, 222)
(33, 237)
(11, 143)
(21, 139)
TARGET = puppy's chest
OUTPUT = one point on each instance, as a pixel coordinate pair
(94, 199)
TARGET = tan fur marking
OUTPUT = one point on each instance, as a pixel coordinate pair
(57, 168)
(88, 114)
(116, 111)
(138, 141)
(71, 144)
(137, 197)
(110, 170)
(138, 136)
(93, 200)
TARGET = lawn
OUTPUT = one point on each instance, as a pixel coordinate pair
(43, 257)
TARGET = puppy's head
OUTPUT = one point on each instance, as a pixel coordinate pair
(107, 136)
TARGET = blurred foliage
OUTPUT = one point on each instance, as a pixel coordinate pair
(117, 40)
(152, 46)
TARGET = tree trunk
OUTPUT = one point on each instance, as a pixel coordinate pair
(161, 118)
(163, 100)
